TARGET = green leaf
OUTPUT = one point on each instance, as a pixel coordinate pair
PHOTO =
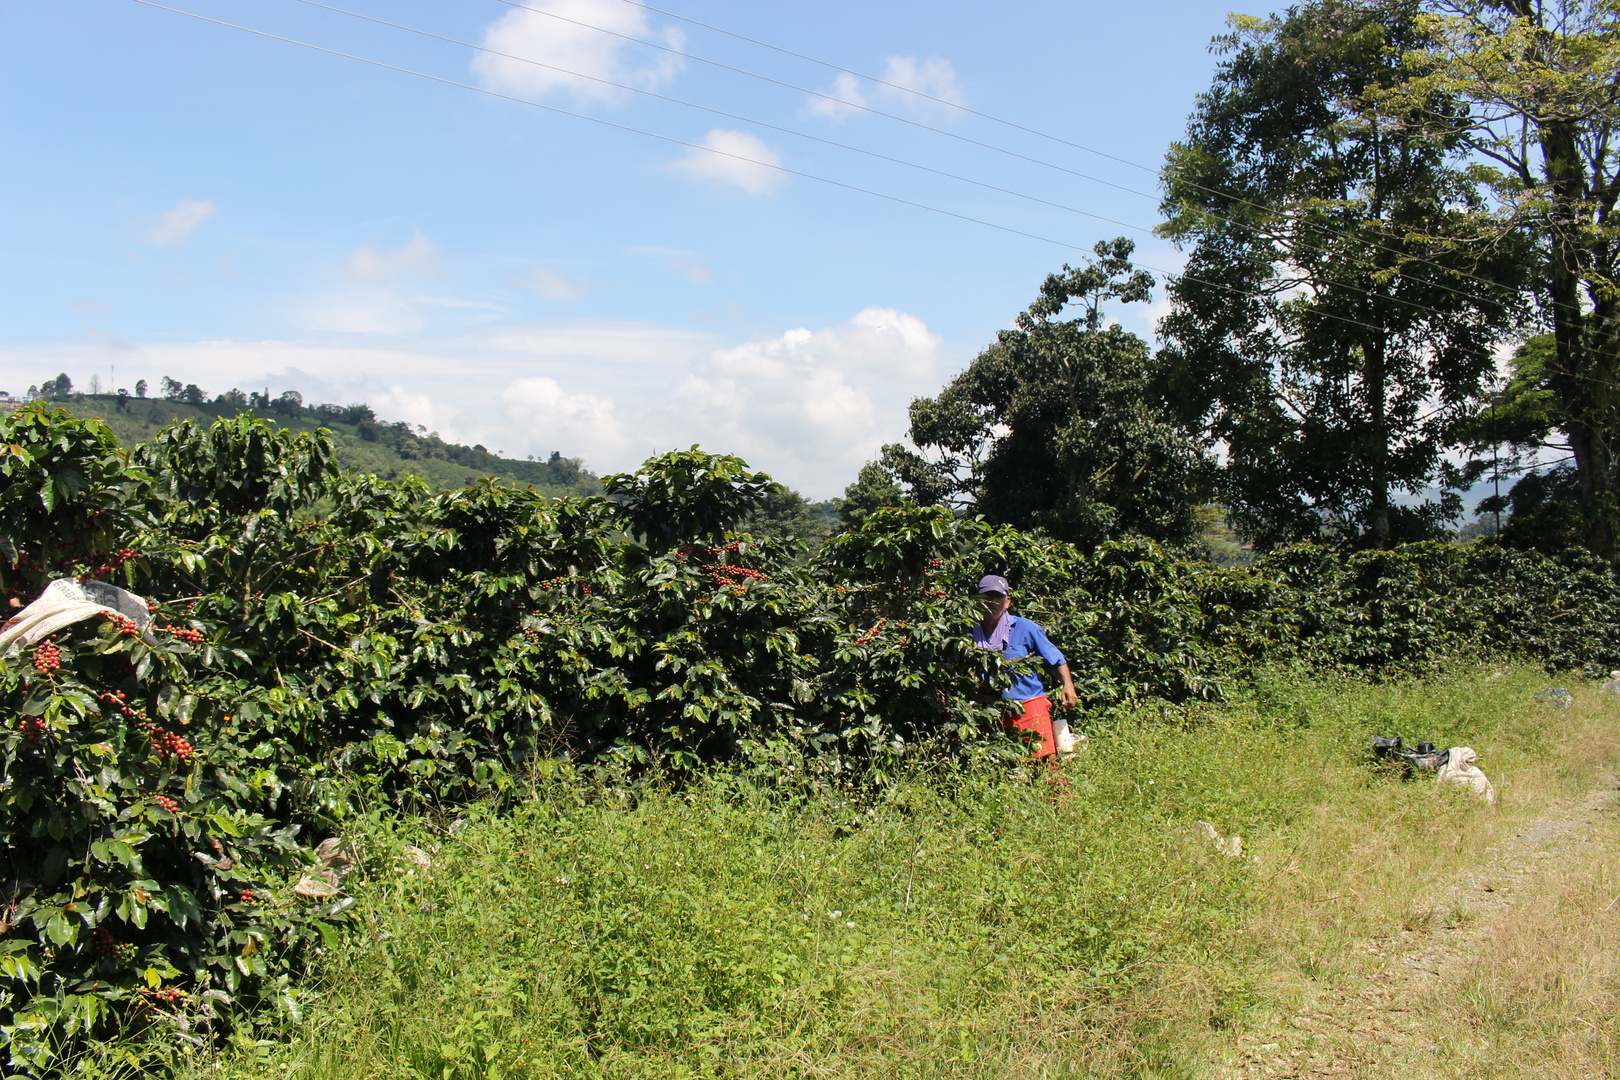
(61, 931)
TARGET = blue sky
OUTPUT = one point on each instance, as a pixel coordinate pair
(185, 199)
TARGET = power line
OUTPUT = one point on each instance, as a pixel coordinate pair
(735, 116)
(1324, 229)
(827, 142)
(891, 85)
(900, 200)
(918, 124)
(779, 168)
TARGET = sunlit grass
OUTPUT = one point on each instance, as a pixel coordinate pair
(979, 925)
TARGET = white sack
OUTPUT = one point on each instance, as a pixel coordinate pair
(1064, 740)
(1231, 846)
(65, 602)
(1460, 769)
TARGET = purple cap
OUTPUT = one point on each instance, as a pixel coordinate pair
(995, 583)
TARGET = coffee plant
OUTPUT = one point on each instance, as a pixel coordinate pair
(324, 643)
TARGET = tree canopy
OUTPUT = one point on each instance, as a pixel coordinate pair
(1324, 335)
(1538, 89)
(1061, 424)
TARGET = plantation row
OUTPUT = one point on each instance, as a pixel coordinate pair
(326, 641)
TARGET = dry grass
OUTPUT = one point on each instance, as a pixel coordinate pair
(1542, 996)
(1470, 942)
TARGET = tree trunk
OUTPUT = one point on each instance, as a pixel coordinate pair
(1581, 377)
(1373, 380)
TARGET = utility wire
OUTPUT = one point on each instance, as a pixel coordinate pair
(711, 150)
(1324, 229)
(1147, 230)
(892, 86)
(958, 106)
(824, 141)
(918, 124)
(770, 165)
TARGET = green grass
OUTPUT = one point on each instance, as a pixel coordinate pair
(961, 926)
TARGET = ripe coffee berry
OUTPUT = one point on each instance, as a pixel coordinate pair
(872, 634)
(106, 947)
(167, 803)
(47, 658)
(168, 744)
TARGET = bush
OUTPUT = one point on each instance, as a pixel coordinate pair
(354, 640)
(146, 869)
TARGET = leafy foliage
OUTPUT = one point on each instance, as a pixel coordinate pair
(1327, 331)
(1538, 82)
(67, 497)
(334, 640)
(1060, 424)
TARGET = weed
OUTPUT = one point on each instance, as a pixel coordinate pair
(962, 924)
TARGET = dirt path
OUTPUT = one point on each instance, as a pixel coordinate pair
(1500, 978)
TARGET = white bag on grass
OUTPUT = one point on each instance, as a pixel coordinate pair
(1460, 769)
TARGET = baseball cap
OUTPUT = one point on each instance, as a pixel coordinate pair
(995, 583)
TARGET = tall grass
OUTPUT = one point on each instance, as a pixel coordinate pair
(958, 925)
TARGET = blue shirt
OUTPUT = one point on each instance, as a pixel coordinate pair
(1023, 638)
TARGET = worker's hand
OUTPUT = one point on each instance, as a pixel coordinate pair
(1070, 698)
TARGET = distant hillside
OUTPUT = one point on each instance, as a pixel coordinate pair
(363, 442)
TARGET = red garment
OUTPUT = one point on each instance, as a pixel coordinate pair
(1037, 717)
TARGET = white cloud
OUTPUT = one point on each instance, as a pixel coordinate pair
(692, 270)
(934, 77)
(734, 157)
(907, 82)
(816, 403)
(420, 258)
(879, 342)
(175, 226)
(847, 90)
(543, 33)
(680, 262)
(807, 405)
(108, 340)
(552, 285)
(372, 311)
(547, 415)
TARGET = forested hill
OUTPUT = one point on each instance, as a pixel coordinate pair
(363, 442)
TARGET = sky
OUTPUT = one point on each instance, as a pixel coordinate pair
(545, 245)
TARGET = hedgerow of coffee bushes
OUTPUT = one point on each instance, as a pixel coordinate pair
(359, 638)
(145, 869)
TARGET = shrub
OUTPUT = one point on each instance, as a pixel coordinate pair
(146, 870)
(353, 639)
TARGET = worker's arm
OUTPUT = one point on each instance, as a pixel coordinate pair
(1069, 696)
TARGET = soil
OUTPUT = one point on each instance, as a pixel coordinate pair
(1382, 1022)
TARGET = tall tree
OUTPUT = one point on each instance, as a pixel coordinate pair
(1541, 79)
(1328, 330)
(1059, 424)
(1527, 417)
(873, 489)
